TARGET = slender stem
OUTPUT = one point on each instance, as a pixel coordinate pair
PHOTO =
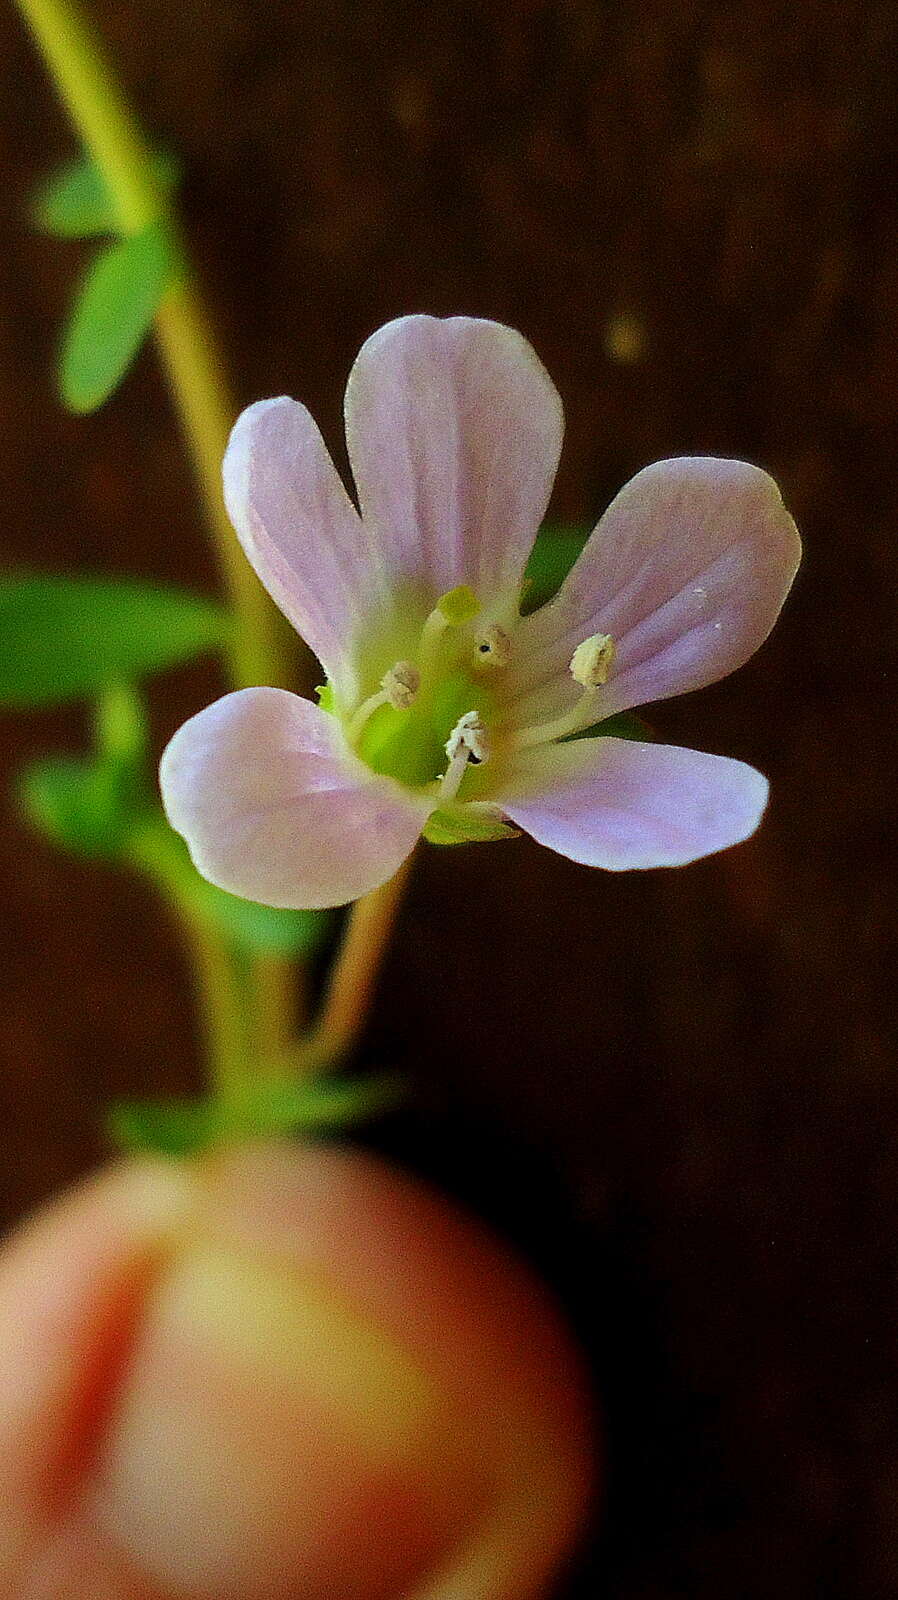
(156, 853)
(100, 111)
(98, 107)
(273, 996)
(86, 81)
(350, 990)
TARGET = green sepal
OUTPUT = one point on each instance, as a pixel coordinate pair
(74, 202)
(554, 553)
(64, 637)
(114, 307)
(271, 1108)
(326, 698)
(89, 805)
(462, 826)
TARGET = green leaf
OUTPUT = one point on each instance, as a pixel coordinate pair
(74, 201)
(167, 1127)
(554, 553)
(113, 310)
(623, 725)
(64, 637)
(462, 826)
(88, 806)
(263, 930)
(272, 1107)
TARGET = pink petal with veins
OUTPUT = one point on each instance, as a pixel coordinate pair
(276, 808)
(687, 570)
(454, 431)
(302, 533)
(619, 804)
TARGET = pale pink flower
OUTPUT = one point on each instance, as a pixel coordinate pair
(446, 711)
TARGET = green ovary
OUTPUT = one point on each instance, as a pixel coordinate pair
(410, 745)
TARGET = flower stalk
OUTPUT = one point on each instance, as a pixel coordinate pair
(350, 986)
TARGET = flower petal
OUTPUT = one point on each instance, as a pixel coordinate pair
(454, 431)
(275, 807)
(618, 804)
(687, 570)
(301, 531)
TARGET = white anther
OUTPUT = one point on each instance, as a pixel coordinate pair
(592, 661)
(493, 646)
(469, 735)
(400, 684)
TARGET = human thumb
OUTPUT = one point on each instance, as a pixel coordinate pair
(282, 1372)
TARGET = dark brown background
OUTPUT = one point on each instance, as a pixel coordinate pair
(677, 1091)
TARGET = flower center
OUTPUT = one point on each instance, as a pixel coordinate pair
(433, 712)
(404, 730)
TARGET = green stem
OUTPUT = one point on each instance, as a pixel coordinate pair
(102, 115)
(86, 82)
(156, 853)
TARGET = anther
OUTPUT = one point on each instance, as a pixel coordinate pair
(468, 740)
(469, 734)
(592, 661)
(590, 666)
(400, 684)
(398, 688)
(493, 647)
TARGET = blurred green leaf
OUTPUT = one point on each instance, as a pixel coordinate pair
(272, 1107)
(64, 637)
(624, 725)
(89, 806)
(113, 310)
(74, 202)
(167, 1127)
(554, 553)
(263, 930)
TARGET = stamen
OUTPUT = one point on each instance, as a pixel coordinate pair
(398, 688)
(493, 647)
(468, 739)
(590, 666)
(592, 661)
(470, 734)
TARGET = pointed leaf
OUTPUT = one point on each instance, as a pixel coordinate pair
(271, 1108)
(167, 1127)
(113, 310)
(623, 725)
(63, 637)
(74, 201)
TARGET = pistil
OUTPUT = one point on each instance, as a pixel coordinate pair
(457, 606)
